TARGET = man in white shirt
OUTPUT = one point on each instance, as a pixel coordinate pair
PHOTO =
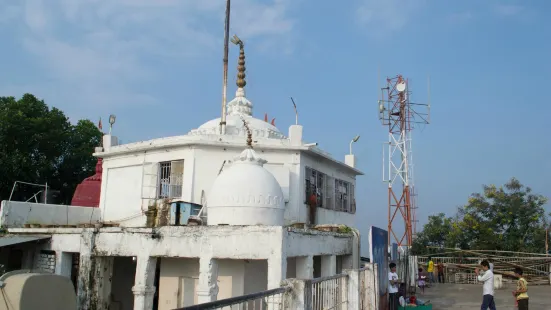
(393, 283)
(488, 288)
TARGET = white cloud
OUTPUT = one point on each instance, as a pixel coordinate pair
(94, 50)
(383, 17)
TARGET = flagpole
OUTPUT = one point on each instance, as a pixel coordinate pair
(225, 83)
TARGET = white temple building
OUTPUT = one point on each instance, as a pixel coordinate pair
(194, 218)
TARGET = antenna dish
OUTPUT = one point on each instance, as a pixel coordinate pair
(401, 86)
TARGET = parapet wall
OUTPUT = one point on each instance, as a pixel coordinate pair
(14, 214)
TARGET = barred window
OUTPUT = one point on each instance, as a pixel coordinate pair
(171, 176)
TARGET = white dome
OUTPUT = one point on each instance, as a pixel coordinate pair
(246, 194)
(239, 109)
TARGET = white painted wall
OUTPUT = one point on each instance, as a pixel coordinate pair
(324, 216)
(16, 214)
(127, 179)
(178, 280)
(121, 198)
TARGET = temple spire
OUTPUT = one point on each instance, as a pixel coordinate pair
(240, 105)
(240, 63)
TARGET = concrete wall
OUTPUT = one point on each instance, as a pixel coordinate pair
(16, 214)
(324, 216)
(179, 280)
(129, 178)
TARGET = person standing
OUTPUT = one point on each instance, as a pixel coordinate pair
(521, 293)
(440, 268)
(491, 264)
(430, 270)
(421, 280)
(393, 282)
(488, 287)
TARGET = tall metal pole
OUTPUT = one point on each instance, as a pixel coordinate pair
(399, 114)
(225, 82)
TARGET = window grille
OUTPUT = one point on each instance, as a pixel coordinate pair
(171, 176)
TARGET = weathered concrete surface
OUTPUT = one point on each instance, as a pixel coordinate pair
(469, 296)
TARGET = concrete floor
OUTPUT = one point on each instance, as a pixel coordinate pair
(469, 296)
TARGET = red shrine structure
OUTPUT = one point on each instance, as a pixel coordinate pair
(88, 191)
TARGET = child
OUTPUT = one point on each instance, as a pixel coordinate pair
(421, 278)
(521, 293)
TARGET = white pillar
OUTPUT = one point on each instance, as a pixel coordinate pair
(304, 267)
(277, 272)
(353, 290)
(63, 263)
(207, 289)
(144, 288)
(301, 295)
(328, 265)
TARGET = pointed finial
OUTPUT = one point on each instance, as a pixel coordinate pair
(249, 133)
(241, 62)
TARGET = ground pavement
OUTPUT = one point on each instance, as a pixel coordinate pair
(469, 296)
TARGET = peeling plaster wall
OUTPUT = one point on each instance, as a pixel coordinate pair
(304, 244)
(230, 246)
(231, 242)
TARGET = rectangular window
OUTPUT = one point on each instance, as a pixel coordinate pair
(171, 177)
(331, 193)
(315, 184)
(344, 196)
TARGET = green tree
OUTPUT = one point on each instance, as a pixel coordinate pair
(509, 218)
(435, 233)
(40, 145)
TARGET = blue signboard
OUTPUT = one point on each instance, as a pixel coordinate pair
(378, 246)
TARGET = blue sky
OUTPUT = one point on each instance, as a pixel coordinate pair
(157, 66)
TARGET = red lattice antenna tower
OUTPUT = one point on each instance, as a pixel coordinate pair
(400, 115)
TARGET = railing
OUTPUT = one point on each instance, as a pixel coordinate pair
(329, 293)
(536, 263)
(270, 299)
(355, 289)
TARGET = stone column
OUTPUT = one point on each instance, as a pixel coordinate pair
(328, 265)
(305, 267)
(144, 282)
(277, 270)
(85, 270)
(100, 293)
(63, 263)
(207, 289)
(353, 294)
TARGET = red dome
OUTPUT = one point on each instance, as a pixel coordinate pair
(88, 191)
